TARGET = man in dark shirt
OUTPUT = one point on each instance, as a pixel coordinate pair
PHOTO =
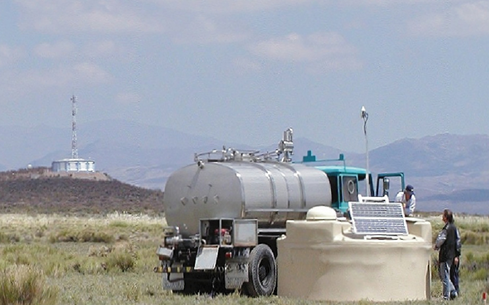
(446, 242)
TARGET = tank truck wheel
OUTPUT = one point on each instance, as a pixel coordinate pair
(262, 272)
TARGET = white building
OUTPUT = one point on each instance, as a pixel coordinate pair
(73, 165)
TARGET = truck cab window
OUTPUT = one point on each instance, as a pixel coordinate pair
(333, 181)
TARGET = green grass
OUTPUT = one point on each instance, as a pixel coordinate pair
(59, 259)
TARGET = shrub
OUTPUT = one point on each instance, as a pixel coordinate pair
(20, 284)
(97, 237)
(119, 224)
(122, 260)
(9, 238)
(63, 236)
(469, 256)
(4, 238)
(478, 275)
(473, 238)
(81, 236)
(475, 267)
(133, 293)
(123, 237)
(101, 251)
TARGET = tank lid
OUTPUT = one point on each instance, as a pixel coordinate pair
(321, 213)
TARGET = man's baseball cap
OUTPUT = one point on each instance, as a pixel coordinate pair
(410, 189)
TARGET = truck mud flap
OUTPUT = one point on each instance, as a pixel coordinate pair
(206, 257)
(236, 273)
(173, 281)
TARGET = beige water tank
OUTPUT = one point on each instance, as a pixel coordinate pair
(320, 259)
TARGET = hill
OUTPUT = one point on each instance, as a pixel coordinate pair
(37, 191)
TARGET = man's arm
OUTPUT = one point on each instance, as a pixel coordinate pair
(412, 206)
(459, 243)
(442, 237)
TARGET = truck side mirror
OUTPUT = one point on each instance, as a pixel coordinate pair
(386, 186)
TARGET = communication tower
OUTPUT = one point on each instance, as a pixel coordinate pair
(74, 149)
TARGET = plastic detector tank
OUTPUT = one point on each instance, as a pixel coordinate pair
(322, 259)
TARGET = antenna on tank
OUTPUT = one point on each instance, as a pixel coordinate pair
(364, 116)
(74, 149)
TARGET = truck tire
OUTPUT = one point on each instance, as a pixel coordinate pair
(262, 272)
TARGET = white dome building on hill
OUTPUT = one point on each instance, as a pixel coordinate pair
(73, 165)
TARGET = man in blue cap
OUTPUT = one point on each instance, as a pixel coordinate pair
(408, 200)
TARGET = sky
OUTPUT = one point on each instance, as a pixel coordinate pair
(244, 71)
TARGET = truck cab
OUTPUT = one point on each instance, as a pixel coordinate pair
(347, 182)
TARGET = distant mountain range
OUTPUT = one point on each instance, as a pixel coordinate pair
(447, 170)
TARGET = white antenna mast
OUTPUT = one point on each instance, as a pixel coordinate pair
(74, 149)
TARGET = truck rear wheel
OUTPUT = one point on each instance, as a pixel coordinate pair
(262, 272)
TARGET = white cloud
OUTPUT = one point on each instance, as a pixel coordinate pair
(128, 98)
(91, 73)
(385, 3)
(68, 49)
(9, 55)
(55, 50)
(105, 16)
(102, 49)
(224, 7)
(202, 29)
(59, 77)
(182, 21)
(245, 65)
(467, 19)
(327, 50)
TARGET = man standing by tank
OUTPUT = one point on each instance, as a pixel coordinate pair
(407, 199)
(446, 242)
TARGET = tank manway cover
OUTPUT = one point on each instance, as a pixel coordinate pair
(378, 218)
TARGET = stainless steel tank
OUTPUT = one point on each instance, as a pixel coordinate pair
(271, 192)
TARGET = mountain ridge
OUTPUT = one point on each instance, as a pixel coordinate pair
(439, 166)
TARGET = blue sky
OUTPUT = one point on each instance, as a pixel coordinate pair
(244, 71)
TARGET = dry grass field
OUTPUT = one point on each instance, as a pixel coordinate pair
(57, 259)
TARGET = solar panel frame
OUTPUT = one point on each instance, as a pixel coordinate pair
(374, 218)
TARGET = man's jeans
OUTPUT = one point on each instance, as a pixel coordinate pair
(454, 275)
(444, 272)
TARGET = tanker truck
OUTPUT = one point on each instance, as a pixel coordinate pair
(225, 212)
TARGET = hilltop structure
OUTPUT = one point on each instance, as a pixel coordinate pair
(73, 164)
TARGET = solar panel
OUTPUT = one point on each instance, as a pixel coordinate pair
(382, 210)
(378, 218)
